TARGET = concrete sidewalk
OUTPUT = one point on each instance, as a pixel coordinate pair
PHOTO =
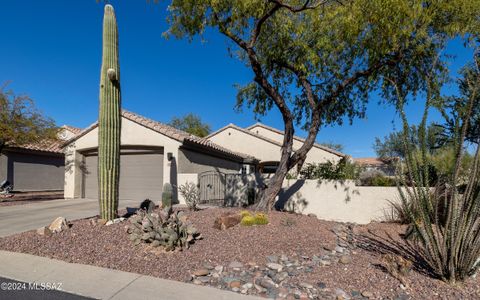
(20, 218)
(101, 283)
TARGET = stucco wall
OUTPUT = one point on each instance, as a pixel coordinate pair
(238, 141)
(194, 162)
(34, 172)
(315, 155)
(133, 134)
(337, 201)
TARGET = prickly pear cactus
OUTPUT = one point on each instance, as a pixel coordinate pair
(166, 229)
(167, 195)
(109, 119)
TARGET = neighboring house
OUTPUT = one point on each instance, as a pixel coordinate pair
(36, 167)
(372, 164)
(265, 142)
(152, 154)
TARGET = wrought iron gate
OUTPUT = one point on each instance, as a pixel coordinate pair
(212, 188)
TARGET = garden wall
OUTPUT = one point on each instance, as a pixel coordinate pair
(341, 201)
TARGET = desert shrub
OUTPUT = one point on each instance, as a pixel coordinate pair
(342, 170)
(445, 223)
(248, 220)
(383, 181)
(191, 194)
(166, 229)
(261, 219)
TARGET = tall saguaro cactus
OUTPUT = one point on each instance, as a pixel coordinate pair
(109, 119)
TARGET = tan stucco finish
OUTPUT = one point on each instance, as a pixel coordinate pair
(254, 145)
(133, 134)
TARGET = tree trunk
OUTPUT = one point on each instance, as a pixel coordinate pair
(275, 184)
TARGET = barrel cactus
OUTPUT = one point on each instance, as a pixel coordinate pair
(166, 229)
(167, 195)
(109, 120)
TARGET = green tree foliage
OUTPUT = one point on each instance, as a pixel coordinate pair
(341, 170)
(192, 124)
(332, 145)
(21, 122)
(317, 61)
(392, 144)
(453, 108)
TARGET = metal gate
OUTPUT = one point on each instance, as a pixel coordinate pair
(212, 188)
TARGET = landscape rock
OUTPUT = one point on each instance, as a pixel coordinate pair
(45, 231)
(227, 221)
(274, 266)
(58, 225)
(101, 221)
(345, 259)
(235, 265)
(367, 294)
(201, 272)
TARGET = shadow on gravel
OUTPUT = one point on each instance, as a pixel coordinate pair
(379, 245)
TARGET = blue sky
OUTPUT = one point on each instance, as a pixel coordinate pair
(51, 50)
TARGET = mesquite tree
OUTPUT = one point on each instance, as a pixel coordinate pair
(317, 61)
(109, 120)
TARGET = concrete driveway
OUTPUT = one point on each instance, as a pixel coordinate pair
(20, 218)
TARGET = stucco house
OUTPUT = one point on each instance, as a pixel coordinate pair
(265, 142)
(152, 154)
(36, 167)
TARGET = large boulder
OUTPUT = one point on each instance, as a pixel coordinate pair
(58, 225)
(45, 231)
(226, 221)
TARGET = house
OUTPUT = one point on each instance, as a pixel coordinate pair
(265, 142)
(152, 154)
(377, 164)
(36, 167)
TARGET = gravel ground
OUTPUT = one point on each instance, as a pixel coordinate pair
(294, 236)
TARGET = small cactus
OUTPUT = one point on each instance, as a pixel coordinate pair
(261, 219)
(248, 220)
(166, 229)
(244, 213)
(167, 195)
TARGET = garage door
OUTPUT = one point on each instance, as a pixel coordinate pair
(141, 175)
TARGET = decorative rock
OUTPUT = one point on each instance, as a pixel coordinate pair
(341, 294)
(367, 294)
(272, 258)
(266, 283)
(45, 231)
(58, 225)
(219, 269)
(306, 285)
(227, 221)
(281, 276)
(235, 265)
(110, 222)
(235, 284)
(321, 285)
(247, 286)
(339, 249)
(201, 272)
(274, 266)
(345, 259)
(101, 221)
(203, 279)
(312, 215)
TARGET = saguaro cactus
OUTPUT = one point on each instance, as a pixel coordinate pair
(109, 119)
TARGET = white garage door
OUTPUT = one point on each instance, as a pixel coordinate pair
(141, 175)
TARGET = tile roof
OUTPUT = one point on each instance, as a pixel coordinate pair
(247, 131)
(317, 145)
(74, 130)
(168, 131)
(43, 146)
(372, 161)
